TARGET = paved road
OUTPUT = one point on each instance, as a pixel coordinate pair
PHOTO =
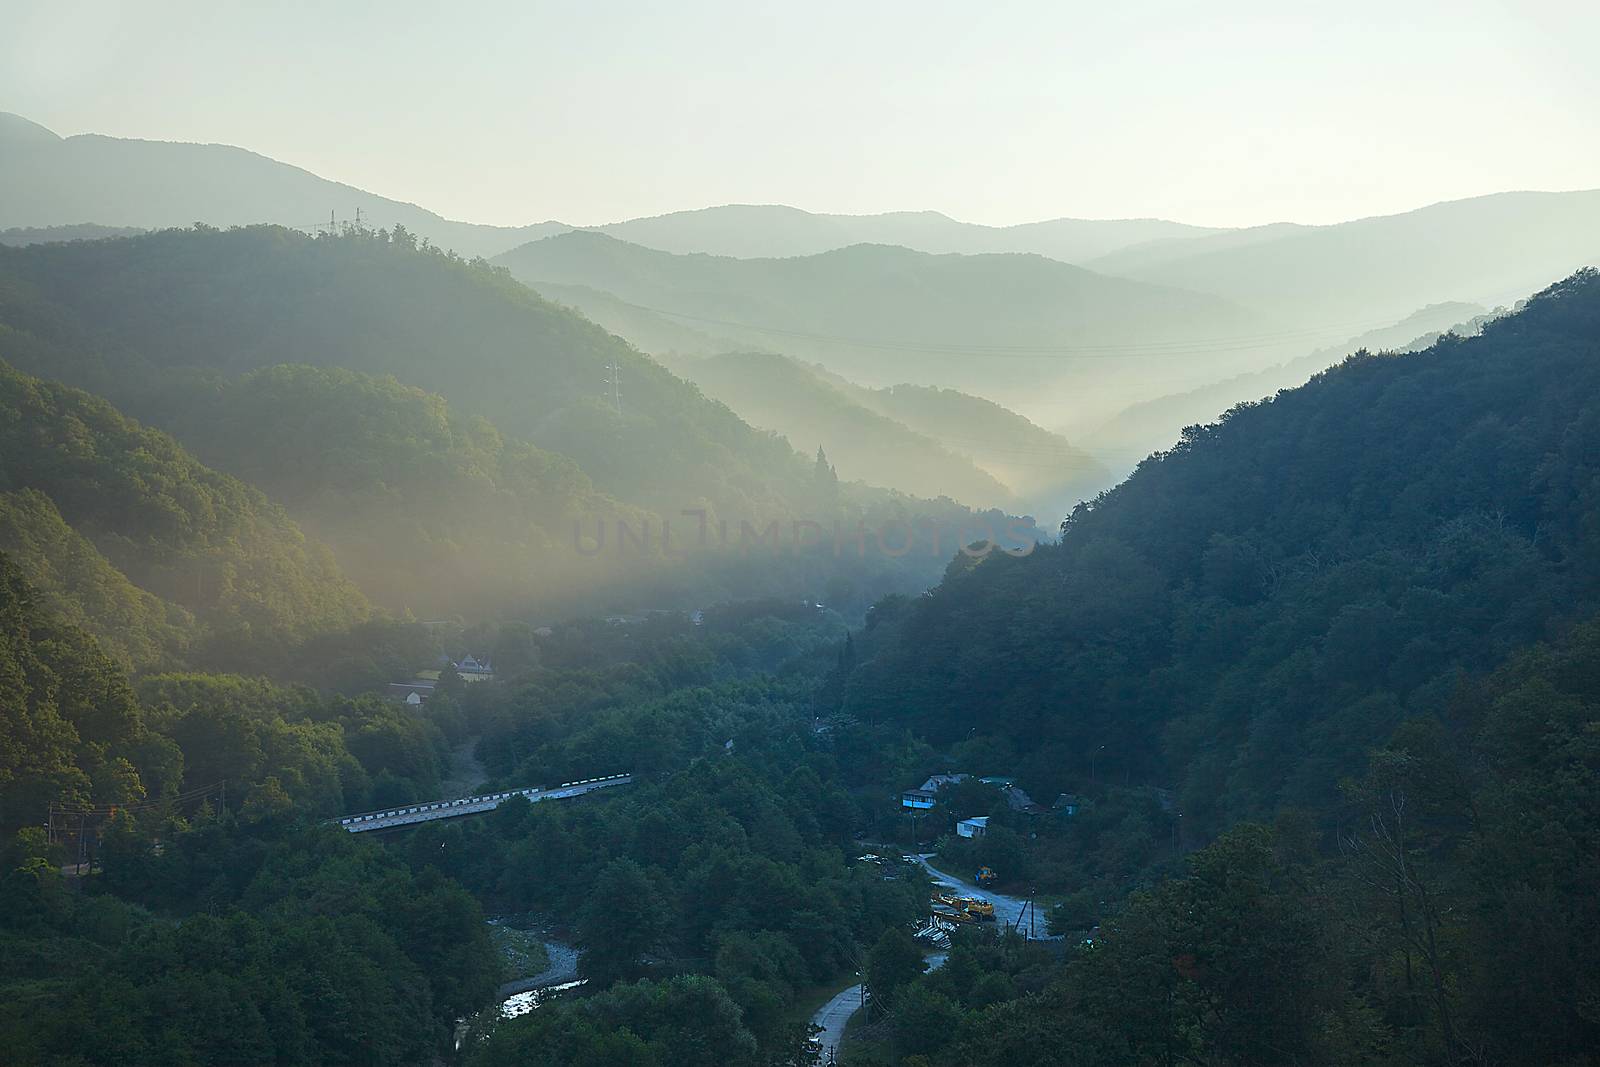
(1006, 909)
(833, 1015)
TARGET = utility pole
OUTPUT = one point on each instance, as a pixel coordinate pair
(859, 960)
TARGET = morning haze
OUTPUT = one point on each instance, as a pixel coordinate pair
(743, 535)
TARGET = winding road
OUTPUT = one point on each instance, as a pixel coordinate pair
(1007, 910)
(832, 1016)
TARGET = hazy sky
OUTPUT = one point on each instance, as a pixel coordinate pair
(518, 111)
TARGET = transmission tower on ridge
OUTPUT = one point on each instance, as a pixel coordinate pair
(613, 382)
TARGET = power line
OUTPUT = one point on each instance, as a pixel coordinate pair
(143, 805)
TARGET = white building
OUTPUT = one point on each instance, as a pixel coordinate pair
(973, 827)
(927, 794)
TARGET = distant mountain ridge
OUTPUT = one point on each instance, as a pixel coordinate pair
(48, 180)
(763, 231)
(1487, 249)
(1484, 249)
(19, 236)
(1007, 326)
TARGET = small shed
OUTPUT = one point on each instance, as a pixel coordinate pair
(1068, 803)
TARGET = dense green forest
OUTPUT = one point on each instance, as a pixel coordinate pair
(1323, 681)
(79, 734)
(1443, 913)
(81, 585)
(1348, 629)
(95, 505)
(1250, 611)
(719, 882)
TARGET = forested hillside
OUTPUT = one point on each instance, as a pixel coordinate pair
(1148, 426)
(425, 510)
(70, 728)
(1351, 630)
(224, 926)
(164, 322)
(93, 502)
(83, 587)
(109, 314)
(926, 440)
(1044, 469)
(1252, 610)
(212, 953)
(776, 393)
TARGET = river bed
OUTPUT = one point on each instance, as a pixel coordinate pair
(524, 993)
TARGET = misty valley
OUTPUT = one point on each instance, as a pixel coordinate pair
(749, 636)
